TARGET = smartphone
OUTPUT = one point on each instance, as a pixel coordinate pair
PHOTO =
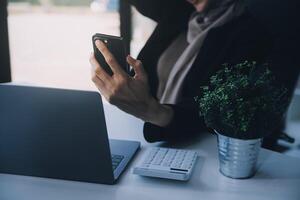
(116, 46)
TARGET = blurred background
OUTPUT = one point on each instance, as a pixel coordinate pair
(50, 40)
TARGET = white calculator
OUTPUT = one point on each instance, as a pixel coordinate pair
(167, 163)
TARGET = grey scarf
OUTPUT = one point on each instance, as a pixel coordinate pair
(216, 13)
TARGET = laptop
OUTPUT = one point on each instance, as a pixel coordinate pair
(61, 134)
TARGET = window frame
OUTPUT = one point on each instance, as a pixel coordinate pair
(5, 71)
(125, 23)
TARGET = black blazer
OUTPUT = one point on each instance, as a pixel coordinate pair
(243, 38)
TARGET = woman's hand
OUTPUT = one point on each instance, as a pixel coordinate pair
(130, 94)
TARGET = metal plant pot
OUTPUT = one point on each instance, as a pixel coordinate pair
(238, 157)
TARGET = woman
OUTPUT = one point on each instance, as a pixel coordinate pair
(185, 49)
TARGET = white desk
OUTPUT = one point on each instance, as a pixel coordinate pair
(278, 177)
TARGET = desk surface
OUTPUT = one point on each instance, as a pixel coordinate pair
(278, 176)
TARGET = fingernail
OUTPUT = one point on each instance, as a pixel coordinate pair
(91, 55)
(98, 43)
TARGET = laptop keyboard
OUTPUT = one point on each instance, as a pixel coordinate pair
(116, 160)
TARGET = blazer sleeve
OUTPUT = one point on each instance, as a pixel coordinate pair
(186, 124)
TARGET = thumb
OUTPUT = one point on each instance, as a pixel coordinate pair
(137, 67)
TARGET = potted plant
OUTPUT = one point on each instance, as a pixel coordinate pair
(242, 104)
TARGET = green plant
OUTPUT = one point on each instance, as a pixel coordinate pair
(243, 101)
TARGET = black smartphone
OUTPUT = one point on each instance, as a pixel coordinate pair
(116, 46)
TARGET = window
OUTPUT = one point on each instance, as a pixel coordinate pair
(50, 40)
(142, 30)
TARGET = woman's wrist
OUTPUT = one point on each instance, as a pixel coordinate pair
(159, 114)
